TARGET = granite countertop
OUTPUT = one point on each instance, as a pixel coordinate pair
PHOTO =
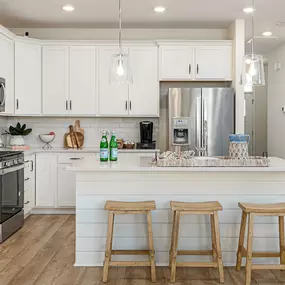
(144, 164)
(83, 150)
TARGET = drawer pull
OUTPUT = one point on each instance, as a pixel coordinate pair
(26, 179)
(76, 158)
(28, 202)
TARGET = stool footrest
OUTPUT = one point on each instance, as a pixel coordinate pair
(195, 252)
(261, 254)
(129, 263)
(131, 252)
(197, 264)
(268, 266)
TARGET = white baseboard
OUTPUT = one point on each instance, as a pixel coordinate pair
(53, 211)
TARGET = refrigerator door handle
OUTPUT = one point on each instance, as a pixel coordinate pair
(204, 126)
(198, 123)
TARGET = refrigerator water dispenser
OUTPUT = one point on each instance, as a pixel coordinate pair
(181, 131)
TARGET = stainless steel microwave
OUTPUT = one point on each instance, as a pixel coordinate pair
(2, 94)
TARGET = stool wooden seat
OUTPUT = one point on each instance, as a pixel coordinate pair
(115, 207)
(196, 208)
(249, 211)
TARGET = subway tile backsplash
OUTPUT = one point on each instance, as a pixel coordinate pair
(127, 128)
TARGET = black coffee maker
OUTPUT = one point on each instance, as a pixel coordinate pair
(146, 132)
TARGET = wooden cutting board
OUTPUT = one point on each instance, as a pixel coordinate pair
(77, 127)
(73, 139)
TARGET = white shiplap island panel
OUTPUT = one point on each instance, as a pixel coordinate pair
(134, 179)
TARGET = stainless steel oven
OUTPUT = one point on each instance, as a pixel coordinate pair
(3, 94)
(11, 193)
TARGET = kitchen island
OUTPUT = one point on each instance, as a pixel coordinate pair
(136, 179)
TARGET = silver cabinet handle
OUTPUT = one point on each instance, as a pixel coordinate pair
(27, 179)
(197, 68)
(190, 68)
(4, 98)
(75, 158)
(130, 105)
(126, 105)
(32, 165)
(28, 202)
(70, 105)
(17, 104)
(66, 105)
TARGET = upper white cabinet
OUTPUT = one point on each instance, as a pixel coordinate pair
(7, 70)
(176, 63)
(144, 92)
(82, 80)
(113, 98)
(202, 62)
(28, 79)
(55, 80)
(213, 62)
(69, 80)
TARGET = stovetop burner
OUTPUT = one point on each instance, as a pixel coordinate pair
(11, 158)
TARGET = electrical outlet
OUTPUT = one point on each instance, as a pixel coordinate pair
(277, 66)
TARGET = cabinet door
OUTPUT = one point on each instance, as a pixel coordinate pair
(7, 71)
(46, 180)
(144, 92)
(55, 80)
(213, 63)
(28, 79)
(66, 189)
(113, 98)
(176, 63)
(82, 72)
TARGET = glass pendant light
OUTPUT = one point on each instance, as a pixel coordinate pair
(120, 72)
(253, 68)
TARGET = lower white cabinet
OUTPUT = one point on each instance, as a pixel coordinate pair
(29, 185)
(46, 180)
(66, 187)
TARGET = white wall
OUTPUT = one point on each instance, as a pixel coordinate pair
(275, 101)
(127, 128)
(128, 34)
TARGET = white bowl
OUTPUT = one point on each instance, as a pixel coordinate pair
(47, 138)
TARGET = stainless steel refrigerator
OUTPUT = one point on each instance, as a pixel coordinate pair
(201, 119)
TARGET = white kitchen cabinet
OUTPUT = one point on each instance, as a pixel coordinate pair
(7, 71)
(113, 98)
(66, 187)
(82, 78)
(28, 79)
(55, 80)
(200, 62)
(29, 184)
(213, 63)
(176, 63)
(46, 180)
(144, 92)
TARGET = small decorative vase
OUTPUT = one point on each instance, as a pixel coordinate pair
(238, 150)
(17, 140)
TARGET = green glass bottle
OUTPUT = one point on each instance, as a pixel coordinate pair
(104, 151)
(113, 147)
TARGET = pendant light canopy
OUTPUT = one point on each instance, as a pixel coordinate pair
(253, 68)
(120, 71)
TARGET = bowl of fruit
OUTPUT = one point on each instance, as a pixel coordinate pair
(47, 139)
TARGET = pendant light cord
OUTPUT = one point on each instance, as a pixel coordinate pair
(120, 27)
(252, 22)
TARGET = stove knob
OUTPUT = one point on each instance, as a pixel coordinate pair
(15, 161)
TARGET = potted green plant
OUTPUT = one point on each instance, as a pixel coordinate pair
(17, 133)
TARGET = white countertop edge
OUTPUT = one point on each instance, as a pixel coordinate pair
(84, 150)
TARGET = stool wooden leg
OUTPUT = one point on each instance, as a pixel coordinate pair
(151, 247)
(219, 250)
(174, 247)
(281, 239)
(172, 238)
(214, 242)
(241, 240)
(249, 250)
(108, 246)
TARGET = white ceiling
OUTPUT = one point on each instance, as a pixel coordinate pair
(140, 14)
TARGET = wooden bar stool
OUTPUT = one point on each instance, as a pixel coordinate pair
(251, 210)
(201, 208)
(129, 208)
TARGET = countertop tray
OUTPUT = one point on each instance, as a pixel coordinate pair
(222, 161)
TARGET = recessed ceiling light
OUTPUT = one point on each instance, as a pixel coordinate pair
(159, 9)
(267, 34)
(248, 10)
(68, 8)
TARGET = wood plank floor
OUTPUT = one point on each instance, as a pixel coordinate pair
(42, 253)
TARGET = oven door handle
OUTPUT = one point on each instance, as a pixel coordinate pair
(12, 169)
